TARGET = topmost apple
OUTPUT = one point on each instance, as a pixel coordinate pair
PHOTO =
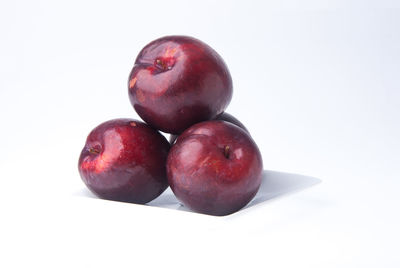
(178, 81)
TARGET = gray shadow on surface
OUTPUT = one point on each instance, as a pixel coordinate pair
(274, 184)
(85, 192)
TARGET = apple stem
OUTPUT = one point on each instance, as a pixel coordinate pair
(226, 151)
(94, 151)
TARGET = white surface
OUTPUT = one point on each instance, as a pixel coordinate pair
(316, 82)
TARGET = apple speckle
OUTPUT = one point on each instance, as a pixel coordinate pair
(140, 96)
(132, 82)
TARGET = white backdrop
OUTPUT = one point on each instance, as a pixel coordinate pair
(317, 83)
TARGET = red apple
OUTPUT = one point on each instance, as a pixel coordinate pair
(124, 160)
(224, 117)
(214, 168)
(178, 81)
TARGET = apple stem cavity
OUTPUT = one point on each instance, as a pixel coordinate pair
(161, 65)
(164, 64)
(226, 151)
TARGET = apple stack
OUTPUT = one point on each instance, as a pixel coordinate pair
(178, 85)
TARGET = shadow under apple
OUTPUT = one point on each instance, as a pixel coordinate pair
(274, 184)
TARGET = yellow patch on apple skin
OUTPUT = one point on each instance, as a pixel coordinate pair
(140, 96)
(132, 82)
(102, 164)
(170, 52)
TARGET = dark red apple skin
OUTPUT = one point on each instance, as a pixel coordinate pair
(124, 160)
(224, 117)
(178, 81)
(231, 119)
(214, 168)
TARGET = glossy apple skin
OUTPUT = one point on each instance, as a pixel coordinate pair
(178, 81)
(214, 168)
(224, 117)
(124, 160)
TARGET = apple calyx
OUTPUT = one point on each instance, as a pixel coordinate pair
(94, 151)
